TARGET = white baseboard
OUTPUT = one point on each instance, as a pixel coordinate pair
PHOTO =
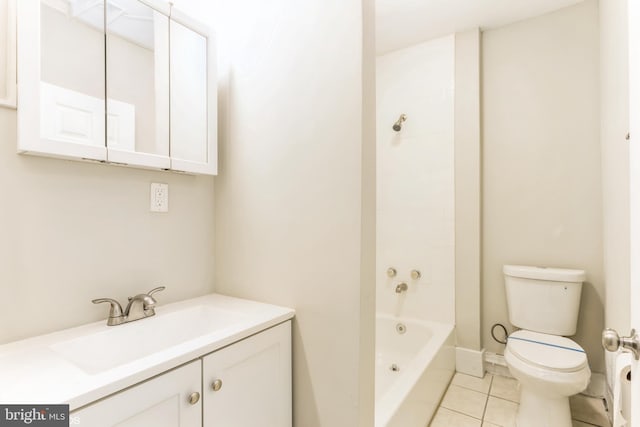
(470, 362)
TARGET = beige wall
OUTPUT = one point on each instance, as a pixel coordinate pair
(76, 231)
(468, 182)
(542, 200)
(295, 208)
(366, 363)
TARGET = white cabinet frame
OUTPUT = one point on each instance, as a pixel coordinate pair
(8, 81)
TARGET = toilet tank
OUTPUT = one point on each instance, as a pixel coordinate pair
(542, 299)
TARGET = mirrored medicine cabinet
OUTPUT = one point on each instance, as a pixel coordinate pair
(128, 82)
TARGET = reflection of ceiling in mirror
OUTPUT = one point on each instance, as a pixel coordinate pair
(128, 19)
(402, 23)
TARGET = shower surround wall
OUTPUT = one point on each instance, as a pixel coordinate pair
(415, 175)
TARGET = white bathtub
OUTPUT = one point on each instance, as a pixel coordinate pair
(425, 359)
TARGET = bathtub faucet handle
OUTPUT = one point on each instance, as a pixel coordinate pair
(401, 287)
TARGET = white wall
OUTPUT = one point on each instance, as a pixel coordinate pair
(294, 199)
(542, 199)
(468, 183)
(415, 199)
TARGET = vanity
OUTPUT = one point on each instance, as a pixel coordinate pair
(123, 82)
(211, 360)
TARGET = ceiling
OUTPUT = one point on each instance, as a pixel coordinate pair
(401, 23)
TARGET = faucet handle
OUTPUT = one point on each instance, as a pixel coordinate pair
(115, 310)
(154, 290)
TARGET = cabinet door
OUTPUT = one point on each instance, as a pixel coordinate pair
(193, 130)
(137, 39)
(61, 79)
(253, 378)
(160, 402)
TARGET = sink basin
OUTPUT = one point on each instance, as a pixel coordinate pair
(118, 345)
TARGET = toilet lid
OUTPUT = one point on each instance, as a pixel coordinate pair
(547, 351)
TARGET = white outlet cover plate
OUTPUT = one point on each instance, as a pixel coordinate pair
(159, 197)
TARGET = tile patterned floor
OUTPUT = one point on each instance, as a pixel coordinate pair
(492, 401)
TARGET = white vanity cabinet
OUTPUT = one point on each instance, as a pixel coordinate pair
(126, 82)
(163, 401)
(248, 384)
(245, 384)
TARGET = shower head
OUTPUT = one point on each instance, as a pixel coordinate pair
(397, 126)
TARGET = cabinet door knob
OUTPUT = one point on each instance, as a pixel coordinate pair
(216, 385)
(194, 397)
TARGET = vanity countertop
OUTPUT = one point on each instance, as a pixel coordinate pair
(47, 370)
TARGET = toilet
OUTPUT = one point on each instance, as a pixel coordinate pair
(544, 303)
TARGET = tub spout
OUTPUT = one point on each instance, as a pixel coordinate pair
(401, 287)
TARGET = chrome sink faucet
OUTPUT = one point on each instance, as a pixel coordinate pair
(139, 307)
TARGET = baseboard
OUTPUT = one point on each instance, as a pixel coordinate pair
(470, 362)
(495, 364)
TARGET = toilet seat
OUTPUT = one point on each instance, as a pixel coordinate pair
(549, 352)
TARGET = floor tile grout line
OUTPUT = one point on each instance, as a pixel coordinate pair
(486, 396)
(468, 388)
(506, 400)
(486, 402)
(461, 413)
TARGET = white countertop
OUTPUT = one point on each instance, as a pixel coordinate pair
(32, 372)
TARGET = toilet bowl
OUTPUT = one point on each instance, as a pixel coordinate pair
(545, 303)
(549, 368)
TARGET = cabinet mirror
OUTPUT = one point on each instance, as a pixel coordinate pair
(193, 107)
(137, 40)
(72, 77)
(128, 82)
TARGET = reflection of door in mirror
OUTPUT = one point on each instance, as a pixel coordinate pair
(137, 79)
(72, 72)
(189, 92)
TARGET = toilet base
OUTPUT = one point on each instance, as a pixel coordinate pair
(537, 410)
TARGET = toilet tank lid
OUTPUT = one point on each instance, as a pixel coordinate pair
(545, 273)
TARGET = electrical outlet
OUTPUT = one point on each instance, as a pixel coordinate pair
(159, 197)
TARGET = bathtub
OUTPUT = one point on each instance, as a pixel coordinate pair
(415, 361)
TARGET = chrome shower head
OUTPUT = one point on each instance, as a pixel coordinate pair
(397, 126)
